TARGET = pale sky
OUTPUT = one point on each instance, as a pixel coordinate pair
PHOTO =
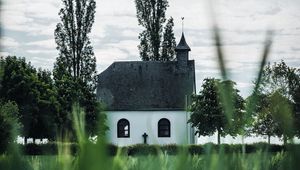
(27, 28)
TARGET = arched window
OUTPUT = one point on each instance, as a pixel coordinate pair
(123, 128)
(164, 128)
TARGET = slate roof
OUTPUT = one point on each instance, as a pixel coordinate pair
(146, 85)
(182, 44)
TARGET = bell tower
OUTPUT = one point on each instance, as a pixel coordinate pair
(182, 52)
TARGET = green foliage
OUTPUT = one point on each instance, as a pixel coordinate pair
(151, 16)
(48, 106)
(208, 156)
(281, 78)
(225, 95)
(206, 109)
(9, 124)
(275, 113)
(273, 116)
(76, 56)
(169, 43)
(297, 110)
(208, 114)
(75, 68)
(34, 93)
(88, 149)
(264, 124)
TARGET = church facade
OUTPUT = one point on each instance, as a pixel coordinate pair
(146, 101)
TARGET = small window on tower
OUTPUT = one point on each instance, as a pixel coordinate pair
(164, 128)
(123, 128)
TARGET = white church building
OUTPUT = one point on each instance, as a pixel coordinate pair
(146, 101)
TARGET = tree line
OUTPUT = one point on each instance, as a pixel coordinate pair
(276, 110)
(41, 101)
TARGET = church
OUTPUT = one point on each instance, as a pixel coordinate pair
(146, 101)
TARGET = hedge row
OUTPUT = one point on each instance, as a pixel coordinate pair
(141, 149)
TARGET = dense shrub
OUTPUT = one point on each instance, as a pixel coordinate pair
(196, 149)
(171, 149)
(47, 149)
(112, 149)
(142, 149)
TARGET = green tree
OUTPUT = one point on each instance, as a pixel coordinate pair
(297, 109)
(169, 43)
(9, 124)
(281, 81)
(48, 107)
(264, 123)
(208, 115)
(75, 68)
(281, 78)
(18, 85)
(151, 16)
(274, 117)
(35, 95)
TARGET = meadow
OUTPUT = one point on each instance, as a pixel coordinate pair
(93, 158)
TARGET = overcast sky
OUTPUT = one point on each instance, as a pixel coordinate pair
(27, 28)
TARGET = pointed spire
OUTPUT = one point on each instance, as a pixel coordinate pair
(182, 44)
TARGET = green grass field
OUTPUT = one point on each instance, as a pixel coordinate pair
(259, 161)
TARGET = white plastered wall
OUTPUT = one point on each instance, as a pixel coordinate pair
(146, 122)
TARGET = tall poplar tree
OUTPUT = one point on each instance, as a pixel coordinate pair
(151, 15)
(169, 43)
(75, 68)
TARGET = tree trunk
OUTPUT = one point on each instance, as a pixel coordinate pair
(219, 137)
(269, 139)
(284, 139)
(243, 144)
(25, 140)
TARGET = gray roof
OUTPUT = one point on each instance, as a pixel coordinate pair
(182, 44)
(146, 85)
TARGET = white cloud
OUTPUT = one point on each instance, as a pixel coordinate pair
(109, 55)
(22, 15)
(41, 51)
(7, 42)
(127, 45)
(48, 44)
(4, 54)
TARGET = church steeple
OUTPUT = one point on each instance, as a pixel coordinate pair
(182, 53)
(182, 46)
